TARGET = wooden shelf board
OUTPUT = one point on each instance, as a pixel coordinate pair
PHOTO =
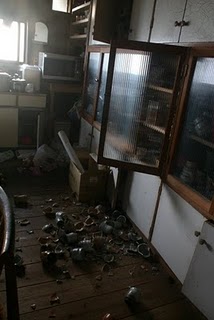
(153, 127)
(195, 199)
(78, 37)
(80, 22)
(202, 141)
(166, 90)
(82, 6)
(119, 144)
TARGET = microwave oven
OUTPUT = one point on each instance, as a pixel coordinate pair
(60, 67)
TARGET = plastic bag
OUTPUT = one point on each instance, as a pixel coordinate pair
(45, 158)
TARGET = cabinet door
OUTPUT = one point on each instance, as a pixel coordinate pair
(199, 16)
(192, 165)
(141, 20)
(112, 19)
(199, 282)
(139, 105)
(8, 127)
(102, 87)
(166, 13)
(91, 83)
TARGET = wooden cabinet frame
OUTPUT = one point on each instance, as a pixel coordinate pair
(199, 202)
(141, 46)
(181, 90)
(101, 50)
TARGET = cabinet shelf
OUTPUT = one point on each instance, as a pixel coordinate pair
(81, 7)
(153, 127)
(78, 37)
(80, 22)
(161, 89)
(202, 141)
(120, 145)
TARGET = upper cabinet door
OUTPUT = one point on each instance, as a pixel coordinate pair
(141, 20)
(139, 105)
(110, 20)
(198, 21)
(167, 19)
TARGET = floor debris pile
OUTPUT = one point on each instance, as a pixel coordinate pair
(95, 234)
(92, 234)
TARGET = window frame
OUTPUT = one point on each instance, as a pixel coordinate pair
(21, 58)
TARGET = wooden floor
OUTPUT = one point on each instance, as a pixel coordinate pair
(90, 293)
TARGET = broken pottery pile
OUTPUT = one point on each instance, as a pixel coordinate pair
(93, 234)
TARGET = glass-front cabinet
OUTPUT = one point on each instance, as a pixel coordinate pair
(192, 156)
(140, 101)
(155, 104)
(94, 83)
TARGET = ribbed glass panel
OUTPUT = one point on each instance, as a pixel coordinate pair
(194, 161)
(103, 79)
(91, 86)
(140, 100)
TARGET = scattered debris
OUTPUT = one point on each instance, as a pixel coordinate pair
(106, 268)
(131, 272)
(78, 254)
(99, 277)
(144, 250)
(108, 316)
(24, 222)
(52, 314)
(79, 226)
(20, 268)
(54, 299)
(49, 213)
(72, 237)
(55, 205)
(155, 269)
(133, 296)
(33, 306)
(30, 231)
(48, 228)
(49, 200)
(44, 240)
(59, 281)
(21, 201)
(108, 258)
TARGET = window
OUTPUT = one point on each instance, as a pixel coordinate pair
(12, 41)
(61, 5)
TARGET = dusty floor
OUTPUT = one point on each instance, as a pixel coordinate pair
(92, 288)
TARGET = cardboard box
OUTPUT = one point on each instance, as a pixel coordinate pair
(90, 185)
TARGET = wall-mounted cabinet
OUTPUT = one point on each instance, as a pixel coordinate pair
(110, 19)
(183, 21)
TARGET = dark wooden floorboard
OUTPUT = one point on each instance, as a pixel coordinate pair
(90, 293)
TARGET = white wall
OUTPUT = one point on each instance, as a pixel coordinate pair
(140, 198)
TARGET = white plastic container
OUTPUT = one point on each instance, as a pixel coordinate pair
(31, 74)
